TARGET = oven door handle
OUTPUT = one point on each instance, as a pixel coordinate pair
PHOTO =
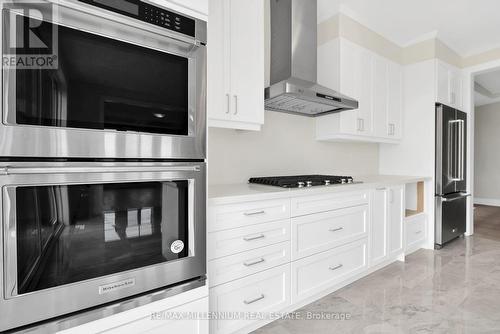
(94, 169)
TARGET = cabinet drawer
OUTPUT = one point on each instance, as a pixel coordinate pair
(223, 217)
(268, 291)
(318, 203)
(415, 230)
(322, 231)
(160, 326)
(243, 264)
(319, 272)
(229, 242)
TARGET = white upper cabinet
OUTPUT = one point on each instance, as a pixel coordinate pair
(236, 64)
(394, 122)
(449, 85)
(376, 82)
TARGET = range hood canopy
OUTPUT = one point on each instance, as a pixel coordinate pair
(293, 66)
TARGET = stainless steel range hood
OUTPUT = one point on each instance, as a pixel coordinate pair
(293, 64)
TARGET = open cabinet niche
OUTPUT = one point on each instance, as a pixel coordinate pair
(414, 199)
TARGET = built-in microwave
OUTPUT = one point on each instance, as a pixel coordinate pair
(79, 235)
(127, 79)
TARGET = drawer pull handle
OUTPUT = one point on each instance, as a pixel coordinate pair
(418, 232)
(255, 213)
(260, 236)
(336, 229)
(251, 301)
(254, 262)
(338, 266)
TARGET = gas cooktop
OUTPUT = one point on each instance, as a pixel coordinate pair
(299, 181)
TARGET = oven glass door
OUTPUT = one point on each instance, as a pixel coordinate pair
(100, 83)
(75, 232)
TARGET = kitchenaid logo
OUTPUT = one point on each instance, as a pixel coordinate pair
(31, 41)
(116, 286)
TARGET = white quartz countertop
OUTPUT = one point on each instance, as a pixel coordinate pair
(233, 193)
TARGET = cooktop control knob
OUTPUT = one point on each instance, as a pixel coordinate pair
(343, 181)
(309, 183)
(327, 182)
(350, 180)
(301, 184)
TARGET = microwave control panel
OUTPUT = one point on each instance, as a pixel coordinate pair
(148, 13)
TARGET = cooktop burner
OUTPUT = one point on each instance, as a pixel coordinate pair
(299, 181)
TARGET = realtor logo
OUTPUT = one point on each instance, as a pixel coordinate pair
(30, 39)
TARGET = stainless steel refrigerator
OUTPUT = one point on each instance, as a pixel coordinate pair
(451, 181)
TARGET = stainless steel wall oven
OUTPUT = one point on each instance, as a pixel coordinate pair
(128, 86)
(102, 160)
(77, 235)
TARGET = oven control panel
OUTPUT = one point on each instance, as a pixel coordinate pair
(148, 13)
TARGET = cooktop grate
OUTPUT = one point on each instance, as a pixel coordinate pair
(299, 181)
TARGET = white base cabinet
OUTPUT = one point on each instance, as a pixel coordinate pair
(386, 229)
(277, 255)
(374, 81)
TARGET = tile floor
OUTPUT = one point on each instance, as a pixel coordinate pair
(487, 221)
(453, 290)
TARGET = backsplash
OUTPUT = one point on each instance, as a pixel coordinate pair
(285, 145)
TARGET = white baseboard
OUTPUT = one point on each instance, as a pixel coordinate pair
(487, 201)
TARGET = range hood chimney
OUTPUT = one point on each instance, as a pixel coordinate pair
(293, 64)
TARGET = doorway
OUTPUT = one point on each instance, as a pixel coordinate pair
(486, 156)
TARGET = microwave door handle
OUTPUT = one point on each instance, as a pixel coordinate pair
(93, 169)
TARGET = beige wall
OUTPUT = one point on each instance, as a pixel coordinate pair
(286, 145)
(486, 152)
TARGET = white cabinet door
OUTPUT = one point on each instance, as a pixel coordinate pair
(449, 84)
(379, 222)
(349, 84)
(218, 83)
(442, 83)
(380, 95)
(394, 101)
(395, 231)
(366, 107)
(456, 89)
(236, 64)
(247, 60)
(314, 274)
(266, 292)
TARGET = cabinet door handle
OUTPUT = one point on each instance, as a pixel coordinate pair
(255, 237)
(336, 229)
(228, 98)
(338, 266)
(253, 262)
(236, 104)
(251, 301)
(260, 212)
(360, 126)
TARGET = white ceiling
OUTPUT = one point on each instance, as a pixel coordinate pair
(489, 92)
(468, 27)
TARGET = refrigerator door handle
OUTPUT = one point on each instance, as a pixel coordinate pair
(455, 149)
(454, 198)
(461, 149)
